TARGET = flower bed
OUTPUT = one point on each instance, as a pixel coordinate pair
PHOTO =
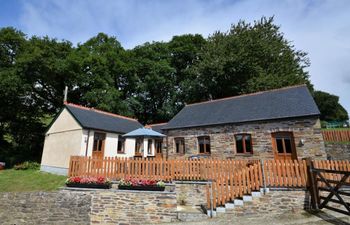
(141, 184)
(88, 182)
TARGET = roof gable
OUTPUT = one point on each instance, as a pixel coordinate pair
(96, 119)
(64, 121)
(276, 104)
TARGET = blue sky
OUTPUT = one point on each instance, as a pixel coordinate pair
(319, 27)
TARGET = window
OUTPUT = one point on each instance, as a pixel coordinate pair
(204, 145)
(149, 147)
(284, 142)
(99, 141)
(180, 145)
(139, 146)
(121, 144)
(158, 146)
(244, 144)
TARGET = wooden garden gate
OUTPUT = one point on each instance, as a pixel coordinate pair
(326, 184)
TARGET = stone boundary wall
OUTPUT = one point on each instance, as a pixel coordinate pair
(338, 151)
(87, 207)
(133, 207)
(45, 208)
(191, 193)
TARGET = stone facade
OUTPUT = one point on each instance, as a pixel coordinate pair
(133, 207)
(191, 194)
(276, 202)
(222, 138)
(338, 151)
(45, 208)
(88, 207)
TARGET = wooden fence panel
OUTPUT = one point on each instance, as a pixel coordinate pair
(336, 135)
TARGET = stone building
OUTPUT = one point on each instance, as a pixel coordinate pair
(281, 124)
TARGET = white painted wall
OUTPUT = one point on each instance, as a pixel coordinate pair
(129, 148)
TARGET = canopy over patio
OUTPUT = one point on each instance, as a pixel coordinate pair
(143, 132)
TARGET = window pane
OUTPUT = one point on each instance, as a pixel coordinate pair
(239, 144)
(207, 148)
(279, 143)
(288, 145)
(99, 146)
(200, 140)
(180, 145)
(248, 147)
(95, 145)
(201, 148)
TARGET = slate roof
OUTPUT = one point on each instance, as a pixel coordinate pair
(157, 127)
(281, 103)
(100, 120)
(146, 132)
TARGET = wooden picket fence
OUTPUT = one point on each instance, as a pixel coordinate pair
(153, 168)
(336, 165)
(230, 179)
(285, 173)
(228, 187)
(272, 173)
(336, 135)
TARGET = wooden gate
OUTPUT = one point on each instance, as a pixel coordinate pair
(325, 184)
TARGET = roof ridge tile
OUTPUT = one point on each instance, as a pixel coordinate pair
(245, 95)
(99, 111)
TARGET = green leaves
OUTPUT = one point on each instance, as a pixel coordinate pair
(151, 82)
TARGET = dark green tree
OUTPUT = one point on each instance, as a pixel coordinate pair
(329, 106)
(248, 58)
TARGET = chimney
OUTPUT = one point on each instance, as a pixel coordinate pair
(65, 95)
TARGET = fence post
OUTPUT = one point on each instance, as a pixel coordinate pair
(311, 184)
(263, 174)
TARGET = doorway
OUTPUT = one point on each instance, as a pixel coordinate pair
(99, 145)
(283, 145)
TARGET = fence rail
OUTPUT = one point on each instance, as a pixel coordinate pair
(230, 178)
(153, 168)
(336, 135)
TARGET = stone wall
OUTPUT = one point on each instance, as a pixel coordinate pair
(191, 194)
(88, 207)
(45, 208)
(338, 151)
(133, 207)
(222, 138)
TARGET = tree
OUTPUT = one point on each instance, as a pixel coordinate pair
(248, 58)
(329, 106)
(100, 77)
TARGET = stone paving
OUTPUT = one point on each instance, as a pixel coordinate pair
(302, 218)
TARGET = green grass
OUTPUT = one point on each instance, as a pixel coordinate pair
(29, 180)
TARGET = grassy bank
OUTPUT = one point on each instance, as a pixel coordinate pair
(29, 180)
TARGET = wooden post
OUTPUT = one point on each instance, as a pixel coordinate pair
(312, 184)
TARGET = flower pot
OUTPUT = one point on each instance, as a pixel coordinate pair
(100, 186)
(141, 188)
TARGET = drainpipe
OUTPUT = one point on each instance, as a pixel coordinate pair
(87, 143)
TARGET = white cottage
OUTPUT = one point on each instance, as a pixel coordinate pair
(83, 131)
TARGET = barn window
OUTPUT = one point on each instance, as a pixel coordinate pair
(204, 144)
(244, 143)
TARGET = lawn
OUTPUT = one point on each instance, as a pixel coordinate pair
(29, 180)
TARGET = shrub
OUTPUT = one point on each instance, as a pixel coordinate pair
(28, 165)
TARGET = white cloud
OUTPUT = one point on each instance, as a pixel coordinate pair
(321, 28)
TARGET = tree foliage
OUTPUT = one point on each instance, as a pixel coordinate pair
(151, 82)
(329, 106)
